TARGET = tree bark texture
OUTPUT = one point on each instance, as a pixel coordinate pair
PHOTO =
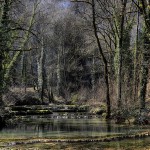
(41, 72)
(4, 40)
(145, 6)
(119, 51)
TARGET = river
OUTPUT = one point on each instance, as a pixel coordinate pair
(67, 125)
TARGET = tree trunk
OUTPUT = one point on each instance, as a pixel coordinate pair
(135, 84)
(119, 50)
(4, 40)
(143, 86)
(1, 78)
(58, 75)
(144, 71)
(146, 54)
(106, 73)
(23, 71)
(119, 77)
(41, 72)
(49, 87)
(93, 75)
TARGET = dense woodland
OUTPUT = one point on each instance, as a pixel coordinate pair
(76, 52)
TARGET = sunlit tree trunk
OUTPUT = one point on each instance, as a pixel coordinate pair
(40, 62)
(119, 50)
(58, 72)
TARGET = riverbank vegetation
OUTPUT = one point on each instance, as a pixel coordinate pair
(93, 53)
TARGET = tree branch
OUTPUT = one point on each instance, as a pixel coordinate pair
(80, 1)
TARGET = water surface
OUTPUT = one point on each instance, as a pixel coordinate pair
(65, 125)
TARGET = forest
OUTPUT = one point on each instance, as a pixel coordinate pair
(88, 56)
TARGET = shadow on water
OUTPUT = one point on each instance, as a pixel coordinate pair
(108, 124)
(2, 124)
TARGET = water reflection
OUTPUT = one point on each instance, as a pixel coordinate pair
(108, 124)
(65, 124)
